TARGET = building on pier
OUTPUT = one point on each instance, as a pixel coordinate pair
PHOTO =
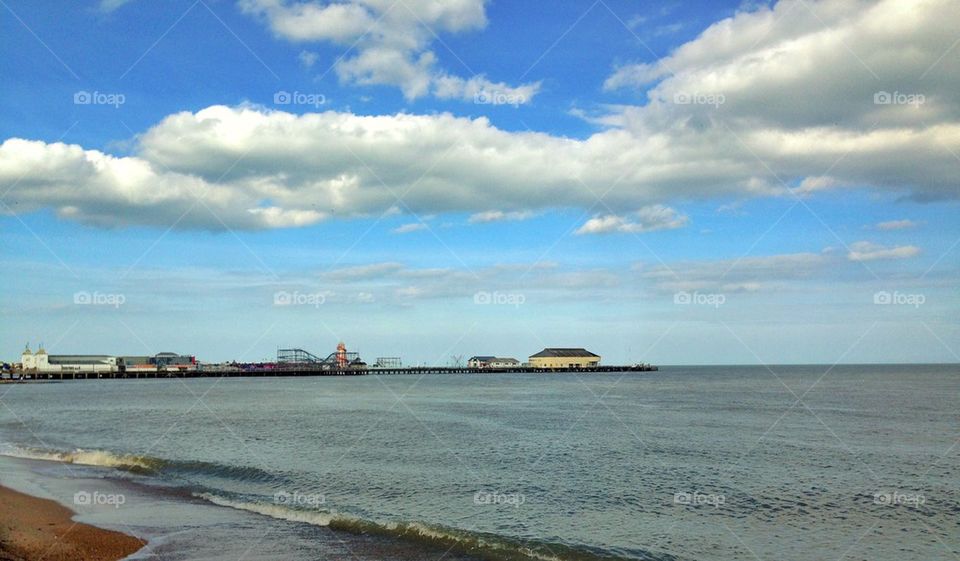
(557, 357)
(42, 362)
(492, 362)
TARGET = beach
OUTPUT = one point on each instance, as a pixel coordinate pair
(32, 528)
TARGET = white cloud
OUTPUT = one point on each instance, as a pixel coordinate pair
(868, 251)
(648, 219)
(364, 272)
(803, 87)
(897, 225)
(498, 216)
(391, 41)
(96, 188)
(246, 158)
(798, 108)
(308, 58)
(111, 5)
(482, 91)
(746, 274)
(411, 227)
(817, 183)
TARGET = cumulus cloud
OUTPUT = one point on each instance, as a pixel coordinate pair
(868, 251)
(807, 87)
(255, 168)
(798, 117)
(647, 219)
(391, 41)
(100, 189)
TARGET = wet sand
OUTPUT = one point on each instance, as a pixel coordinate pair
(32, 529)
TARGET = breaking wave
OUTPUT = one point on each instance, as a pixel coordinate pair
(490, 547)
(483, 545)
(140, 464)
(128, 462)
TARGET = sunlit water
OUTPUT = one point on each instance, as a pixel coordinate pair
(706, 463)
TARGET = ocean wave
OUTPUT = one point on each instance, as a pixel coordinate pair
(491, 547)
(483, 545)
(140, 464)
(101, 458)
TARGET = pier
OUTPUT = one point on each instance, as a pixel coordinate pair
(295, 362)
(272, 370)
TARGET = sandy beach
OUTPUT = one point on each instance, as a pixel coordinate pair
(33, 529)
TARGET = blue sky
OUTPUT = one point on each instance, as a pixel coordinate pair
(677, 182)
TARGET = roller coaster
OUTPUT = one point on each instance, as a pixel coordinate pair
(337, 360)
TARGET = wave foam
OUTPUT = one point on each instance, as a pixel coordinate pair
(99, 458)
(146, 465)
(485, 546)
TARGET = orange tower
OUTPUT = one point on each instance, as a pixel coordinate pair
(341, 355)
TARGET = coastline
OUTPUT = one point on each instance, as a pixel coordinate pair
(32, 528)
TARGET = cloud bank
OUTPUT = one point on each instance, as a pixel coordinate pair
(799, 99)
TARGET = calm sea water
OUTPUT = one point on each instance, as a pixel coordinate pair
(718, 463)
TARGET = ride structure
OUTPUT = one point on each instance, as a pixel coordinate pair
(341, 359)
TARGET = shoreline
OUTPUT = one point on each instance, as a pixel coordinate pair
(32, 528)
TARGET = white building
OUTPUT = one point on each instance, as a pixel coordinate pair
(501, 362)
(41, 362)
(479, 361)
(28, 360)
(492, 362)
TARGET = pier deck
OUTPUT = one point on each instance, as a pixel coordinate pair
(306, 370)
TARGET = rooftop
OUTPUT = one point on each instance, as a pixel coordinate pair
(564, 352)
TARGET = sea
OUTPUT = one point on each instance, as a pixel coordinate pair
(819, 462)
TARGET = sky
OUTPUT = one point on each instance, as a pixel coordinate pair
(667, 182)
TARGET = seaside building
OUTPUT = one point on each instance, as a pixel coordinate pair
(173, 359)
(564, 358)
(41, 362)
(479, 361)
(146, 363)
(501, 362)
(492, 362)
